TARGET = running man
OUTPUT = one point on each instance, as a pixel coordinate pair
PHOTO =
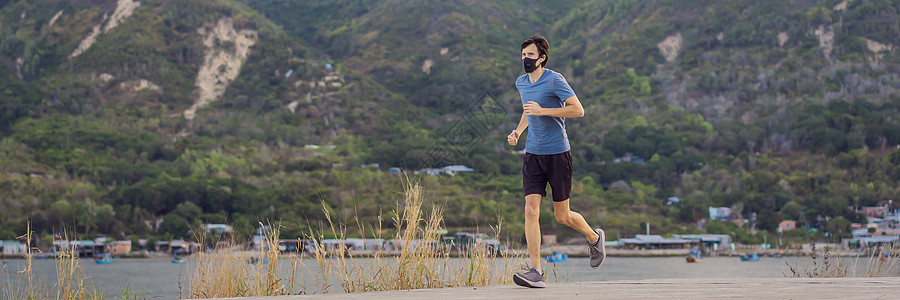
(547, 100)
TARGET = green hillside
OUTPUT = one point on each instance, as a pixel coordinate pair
(779, 109)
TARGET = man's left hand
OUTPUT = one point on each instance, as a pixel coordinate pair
(533, 109)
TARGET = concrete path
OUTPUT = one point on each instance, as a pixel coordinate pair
(718, 288)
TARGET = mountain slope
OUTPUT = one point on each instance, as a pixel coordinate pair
(202, 110)
(118, 111)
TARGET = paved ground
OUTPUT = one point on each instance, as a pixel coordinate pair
(724, 288)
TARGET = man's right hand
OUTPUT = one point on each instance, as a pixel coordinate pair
(513, 138)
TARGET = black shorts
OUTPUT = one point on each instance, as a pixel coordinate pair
(556, 169)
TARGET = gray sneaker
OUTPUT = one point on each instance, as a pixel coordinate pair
(532, 278)
(598, 249)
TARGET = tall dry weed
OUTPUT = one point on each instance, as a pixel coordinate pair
(231, 272)
(423, 260)
(879, 263)
(274, 284)
(72, 283)
(829, 266)
(23, 289)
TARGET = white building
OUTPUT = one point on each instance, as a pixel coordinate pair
(653, 241)
(365, 244)
(449, 170)
(219, 228)
(719, 213)
(12, 247)
(713, 241)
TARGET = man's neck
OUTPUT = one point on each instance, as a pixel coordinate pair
(534, 76)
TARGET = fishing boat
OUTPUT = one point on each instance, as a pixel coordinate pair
(694, 256)
(254, 260)
(750, 257)
(103, 260)
(178, 260)
(556, 257)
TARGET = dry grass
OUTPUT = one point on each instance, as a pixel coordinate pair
(71, 282)
(829, 266)
(220, 274)
(228, 273)
(29, 258)
(273, 284)
(422, 262)
(18, 291)
(880, 263)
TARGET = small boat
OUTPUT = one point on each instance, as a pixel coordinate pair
(254, 260)
(556, 257)
(750, 257)
(103, 260)
(694, 256)
(178, 260)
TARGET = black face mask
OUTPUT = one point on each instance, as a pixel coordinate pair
(530, 64)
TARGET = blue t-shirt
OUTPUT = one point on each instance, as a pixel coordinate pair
(546, 135)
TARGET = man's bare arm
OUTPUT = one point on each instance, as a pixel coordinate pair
(573, 109)
(523, 123)
(513, 137)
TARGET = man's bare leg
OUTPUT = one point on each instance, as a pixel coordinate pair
(533, 229)
(567, 217)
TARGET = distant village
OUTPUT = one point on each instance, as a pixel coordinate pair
(881, 229)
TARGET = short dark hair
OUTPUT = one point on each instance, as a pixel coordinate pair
(542, 44)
